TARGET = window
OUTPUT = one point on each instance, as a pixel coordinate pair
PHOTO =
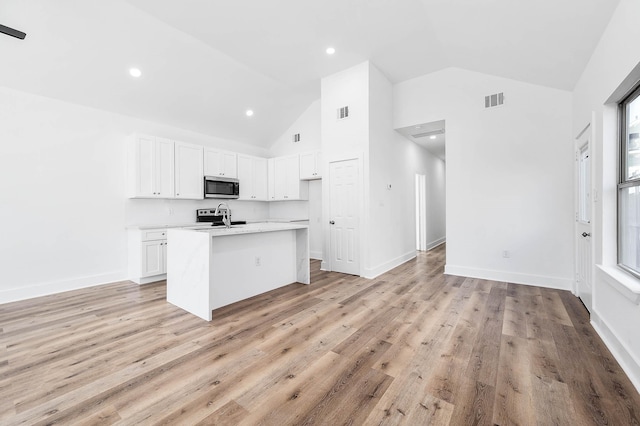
(629, 186)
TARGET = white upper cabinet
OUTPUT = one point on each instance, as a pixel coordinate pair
(189, 183)
(252, 174)
(311, 165)
(220, 163)
(150, 167)
(286, 179)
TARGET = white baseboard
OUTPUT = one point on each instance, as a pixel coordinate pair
(630, 365)
(149, 280)
(372, 273)
(53, 287)
(315, 255)
(436, 243)
(511, 277)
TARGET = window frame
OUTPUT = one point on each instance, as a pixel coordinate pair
(623, 181)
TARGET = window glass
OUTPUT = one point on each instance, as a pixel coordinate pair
(630, 228)
(629, 186)
(632, 150)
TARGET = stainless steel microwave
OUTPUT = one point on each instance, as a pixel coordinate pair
(221, 187)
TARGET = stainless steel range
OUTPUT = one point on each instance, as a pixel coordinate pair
(208, 215)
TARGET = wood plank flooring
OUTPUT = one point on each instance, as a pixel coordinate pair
(412, 347)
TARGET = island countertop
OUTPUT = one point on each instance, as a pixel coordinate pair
(210, 267)
(249, 228)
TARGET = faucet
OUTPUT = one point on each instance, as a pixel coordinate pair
(226, 214)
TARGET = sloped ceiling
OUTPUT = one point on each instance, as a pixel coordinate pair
(205, 62)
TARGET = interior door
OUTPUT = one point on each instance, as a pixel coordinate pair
(584, 250)
(344, 216)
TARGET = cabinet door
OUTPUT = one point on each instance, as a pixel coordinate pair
(260, 179)
(212, 162)
(229, 164)
(280, 178)
(308, 166)
(153, 258)
(292, 191)
(245, 176)
(188, 169)
(164, 168)
(143, 172)
(271, 179)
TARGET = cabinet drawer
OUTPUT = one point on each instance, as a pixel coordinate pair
(154, 234)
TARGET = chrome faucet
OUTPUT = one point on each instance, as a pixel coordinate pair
(226, 214)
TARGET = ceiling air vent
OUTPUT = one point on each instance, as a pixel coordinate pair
(296, 137)
(497, 99)
(343, 113)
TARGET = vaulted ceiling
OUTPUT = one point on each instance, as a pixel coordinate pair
(205, 62)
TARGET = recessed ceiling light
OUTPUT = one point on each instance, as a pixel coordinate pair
(418, 127)
(135, 72)
(330, 50)
(432, 137)
(249, 112)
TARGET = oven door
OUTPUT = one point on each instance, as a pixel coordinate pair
(219, 187)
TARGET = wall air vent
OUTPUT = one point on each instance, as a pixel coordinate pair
(296, 138)
(343, 113)
(497, 99)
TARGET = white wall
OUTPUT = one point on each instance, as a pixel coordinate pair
(615, 314)
(391, 212)
(509, 174)
(345, 139)
(387, 220)
(63, 212)
(308, 125)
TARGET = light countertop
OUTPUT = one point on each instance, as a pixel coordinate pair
(249, 228)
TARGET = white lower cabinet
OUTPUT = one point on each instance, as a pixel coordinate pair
(147, 255)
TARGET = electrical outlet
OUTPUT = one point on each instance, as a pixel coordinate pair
(257, 260)
(506, 254)
(170, 211)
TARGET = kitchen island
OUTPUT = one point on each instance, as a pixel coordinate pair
(208, 268)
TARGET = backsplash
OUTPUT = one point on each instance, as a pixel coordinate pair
(168, 212)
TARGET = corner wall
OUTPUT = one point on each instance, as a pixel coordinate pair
(509, 174)
(612, 70)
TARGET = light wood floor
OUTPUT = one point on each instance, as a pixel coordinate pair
(412, 347)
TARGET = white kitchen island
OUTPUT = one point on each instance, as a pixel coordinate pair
(208, 268)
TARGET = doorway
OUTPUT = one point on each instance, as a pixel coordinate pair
(421, 213)
(584, 250)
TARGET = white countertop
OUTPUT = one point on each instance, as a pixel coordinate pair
(250, 228)
(164, 226)
(205, 224)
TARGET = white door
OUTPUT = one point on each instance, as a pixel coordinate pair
(344, 216)
(584, 259)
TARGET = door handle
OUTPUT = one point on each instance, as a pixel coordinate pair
(585, 234)
(332, 222)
